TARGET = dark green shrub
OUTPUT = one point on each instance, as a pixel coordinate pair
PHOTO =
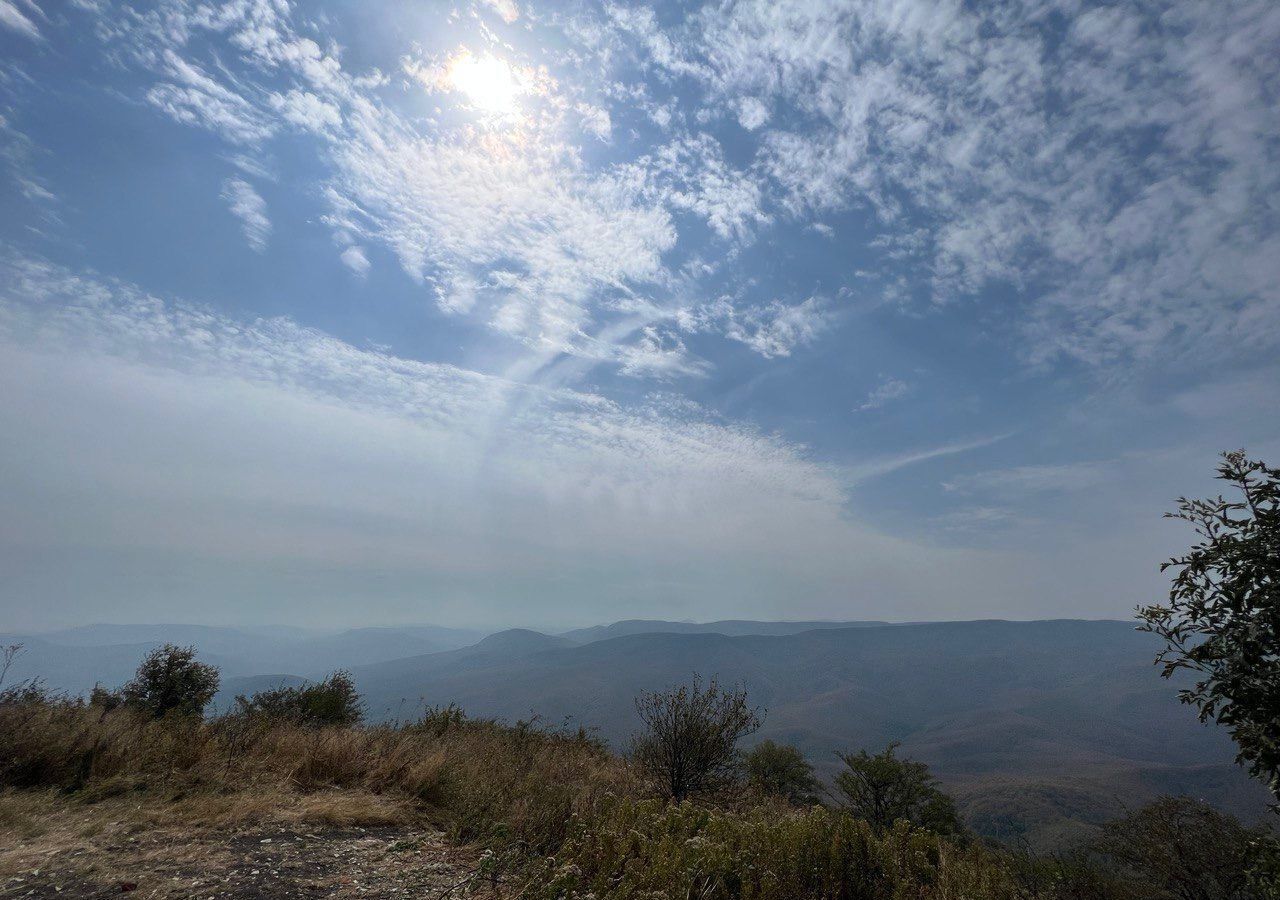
(440, 719)
(333, 701)
(169, 680)
(883, 789)
(1184, 847)
(780, 770)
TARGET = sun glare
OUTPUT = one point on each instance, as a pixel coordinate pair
(489, 83)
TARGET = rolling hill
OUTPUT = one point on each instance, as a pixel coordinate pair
(1039, 727)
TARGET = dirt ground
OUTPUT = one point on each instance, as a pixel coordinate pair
(53, 848)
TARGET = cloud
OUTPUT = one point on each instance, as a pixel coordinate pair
(595, 119)
(692, 174)
(752, 113)
(507, 9)
(354, 258)
(1019, 482)
(888, 390)
(17, 152)
(504, 223)
(510, 233)
(775, 329)
(195, 98)
(1132, 221)
(306, 110)
(658, 352)
(15, 19)
(243, 447)
(247, 205)
(879, 467)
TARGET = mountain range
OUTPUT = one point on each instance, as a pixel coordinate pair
(1041, 729)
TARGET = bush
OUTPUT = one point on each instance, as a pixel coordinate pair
(105, 699)
(780, 770)
(441, 719)
(883, 789)
(333, 701)
(649, 849)
(692, 737)
(169, 680)
(1185, 847)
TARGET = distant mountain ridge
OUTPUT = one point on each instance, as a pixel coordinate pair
(109, 653)
(728, 627)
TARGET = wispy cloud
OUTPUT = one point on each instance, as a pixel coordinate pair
(507, 9)
(20, 20)
(247, 205)
(193, 97)
(860, 472)
(776, 328)
(1019, 482)
(887, 391)
(17, 159)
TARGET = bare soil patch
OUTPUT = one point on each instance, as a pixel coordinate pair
(50, 847)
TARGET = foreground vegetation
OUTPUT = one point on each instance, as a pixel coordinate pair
(565, 818)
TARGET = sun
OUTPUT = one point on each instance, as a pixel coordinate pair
(489, 83)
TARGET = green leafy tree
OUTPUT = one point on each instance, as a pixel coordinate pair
(780, 770)
(1222, 621)
(1184, 847)
(691, 737)
(333, 701)
(883, 789)
(170, 680)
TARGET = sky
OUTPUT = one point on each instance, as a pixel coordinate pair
(548, 314)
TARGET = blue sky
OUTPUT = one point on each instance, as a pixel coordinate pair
(549, 313)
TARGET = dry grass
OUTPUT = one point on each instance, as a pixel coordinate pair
(477, 778)
(567, 818)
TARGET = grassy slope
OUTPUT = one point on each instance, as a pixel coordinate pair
(565, 818)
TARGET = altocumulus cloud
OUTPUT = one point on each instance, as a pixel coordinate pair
(1112, 163)
(987, 145)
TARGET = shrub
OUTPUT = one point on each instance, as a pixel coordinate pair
(169, 680)
(104, 698)
(883, 789)
(692, 735)
(649, 849)
(1184, 847)
(333, 701)
(440, 719)
(780, 770)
